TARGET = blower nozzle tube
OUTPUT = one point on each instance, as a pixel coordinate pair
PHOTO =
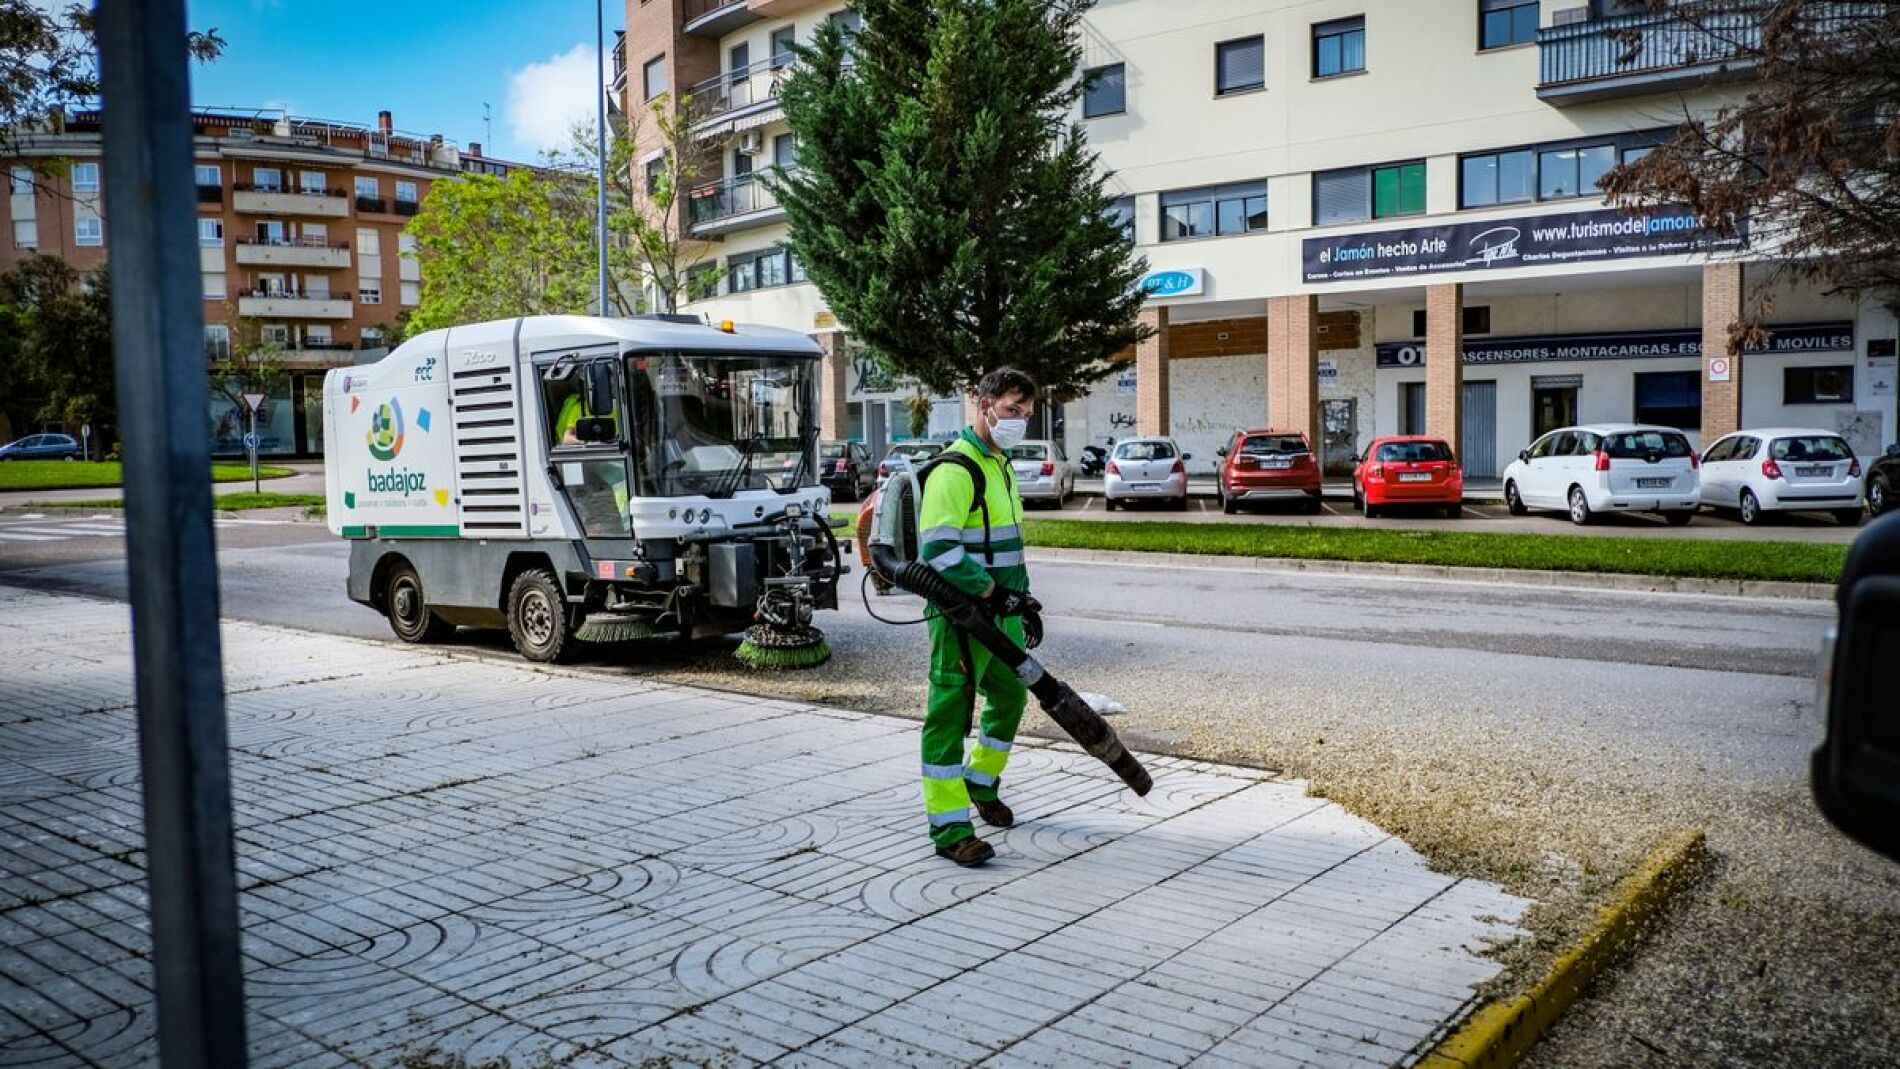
(1064, 706)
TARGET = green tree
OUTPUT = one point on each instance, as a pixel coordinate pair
(252, 362)
(492, 247)
(63, 346)
(945, 201)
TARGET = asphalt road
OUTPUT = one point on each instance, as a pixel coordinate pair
(1545, 737)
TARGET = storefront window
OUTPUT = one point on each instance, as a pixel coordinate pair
(276, 420)
(1669, 399)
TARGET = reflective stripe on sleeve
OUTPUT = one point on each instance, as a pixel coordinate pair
(943, 562)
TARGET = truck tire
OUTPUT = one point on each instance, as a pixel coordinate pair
(537, 618)
(408, 610)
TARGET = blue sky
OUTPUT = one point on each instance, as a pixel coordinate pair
(432, 62)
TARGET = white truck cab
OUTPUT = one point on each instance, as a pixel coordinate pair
(573, 477)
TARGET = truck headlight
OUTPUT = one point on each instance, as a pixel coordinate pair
(794, 511)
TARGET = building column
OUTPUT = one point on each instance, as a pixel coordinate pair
(1293, 366)
(1445, 364)
(834, 412)
(972, 410)
(1721, 393)
(1151, 374)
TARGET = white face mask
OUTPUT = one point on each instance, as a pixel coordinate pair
(1008, 433)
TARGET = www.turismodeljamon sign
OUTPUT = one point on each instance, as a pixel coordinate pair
(1496, 244)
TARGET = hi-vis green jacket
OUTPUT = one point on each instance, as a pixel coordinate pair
(950, 524)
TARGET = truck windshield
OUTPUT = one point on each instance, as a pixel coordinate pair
(716, 423)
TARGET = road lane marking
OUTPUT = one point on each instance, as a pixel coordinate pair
(12, 536)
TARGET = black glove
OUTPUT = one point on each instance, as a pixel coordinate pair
(1003, 601)
(1032, 623)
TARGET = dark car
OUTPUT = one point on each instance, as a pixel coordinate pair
(42, 447)
(1882, 480)
(845, 469)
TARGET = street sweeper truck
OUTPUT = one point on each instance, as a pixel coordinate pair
(574, 479)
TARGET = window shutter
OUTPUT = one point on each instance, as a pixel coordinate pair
(1243, 64)
(1341, 197)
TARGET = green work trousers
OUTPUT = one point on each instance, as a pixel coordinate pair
(949, 780)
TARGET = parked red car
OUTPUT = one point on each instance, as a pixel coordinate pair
(1409, 470)
(1262, 466)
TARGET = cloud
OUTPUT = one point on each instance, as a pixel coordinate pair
(546, 98)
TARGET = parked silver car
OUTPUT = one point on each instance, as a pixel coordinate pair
(1146, 469)
(1043, 472)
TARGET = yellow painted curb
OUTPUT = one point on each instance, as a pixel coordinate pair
(1502, 1032)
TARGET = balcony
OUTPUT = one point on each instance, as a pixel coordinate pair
(211, 194)
(620, 60)
(1664, 52)
(742, 98)
(372, 206)
(274, 200)
(407, 207)
(731, 204)
(295, 305)
(717, 18)
(773, 9)
(300, 252)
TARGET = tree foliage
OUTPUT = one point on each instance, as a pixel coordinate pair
(252, 363)
(61, 344)
(945, 201)
(494, 247)
(1808, 158)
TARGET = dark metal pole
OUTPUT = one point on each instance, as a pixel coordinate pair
(600, 140)
(158, 346)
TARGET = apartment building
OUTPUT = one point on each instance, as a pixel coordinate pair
(1363, 217)
(300, 227)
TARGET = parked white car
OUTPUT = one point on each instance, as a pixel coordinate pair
(1043, 472)
(1783, 469)
(1606, 467)
(1146, 469)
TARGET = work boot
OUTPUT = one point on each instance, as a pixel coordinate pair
(994, 812)
(969, 852)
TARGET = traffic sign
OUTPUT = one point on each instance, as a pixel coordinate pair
(1718, 369)
(254, 401)
(250, 440)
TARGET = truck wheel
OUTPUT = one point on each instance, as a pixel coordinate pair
(537, 617)
(409, 614)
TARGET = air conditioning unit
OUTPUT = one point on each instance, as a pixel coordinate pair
(752, 143)
(1569, 15)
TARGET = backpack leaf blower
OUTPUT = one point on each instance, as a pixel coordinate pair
(894, 546)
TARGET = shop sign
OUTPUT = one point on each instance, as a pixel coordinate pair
(1620, 345)
(1329, 373)
(1178, 282)
(1526, 241)
(1125, 382)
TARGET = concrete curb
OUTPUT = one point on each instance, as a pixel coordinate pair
(1502, 1032)
(1744, 588)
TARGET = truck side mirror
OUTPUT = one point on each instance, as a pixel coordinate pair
(600, 389)
(1894, 450)
(1856, 771)
(594, 429)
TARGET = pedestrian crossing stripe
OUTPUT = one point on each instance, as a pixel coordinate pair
(42, 530)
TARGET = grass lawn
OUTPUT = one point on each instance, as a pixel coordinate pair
(237, 502)
(83, 474)
(1686, 559)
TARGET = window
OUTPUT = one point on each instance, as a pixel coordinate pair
(1412, 409)
(1477, 320)
(1636, 152)
(85, 178)
(317, 334)
(21, 180)
(798, 269)
(1339, 47)
(1721, 451)
(1572, 172)
(1810, 448)
(369, 291)
(217, 341)
(1140, 450)
(1829, 385)
(368, 187)
(1641, 445)
(785, 151)
(312, 182)
(274, 334)
(368, 242)
(406, 246)
(782, 40)
(316, 287)
(270, 232)
(412, 293)
(1104, 91)
(267, 179)
(1669, 398)
(208, 175)
(317, 234)
(88, 231)
(1398, 190)
(850, 22)
(738, 62)
(1412, 452)
(406, 193)
(372, 337)
(654, 74)
(211, 233)
(216, 288)
(1503, 23)
(758, 270)
(1240, 66)
(1122, 212)
(26, 233)
(1213, 211)
(656, 174)
(702, 281)
(1497, 178)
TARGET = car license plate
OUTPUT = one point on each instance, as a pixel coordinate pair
(1415, 476)
(1653, 484)
(1814, 472)
(1144, 486)
(1276, 465)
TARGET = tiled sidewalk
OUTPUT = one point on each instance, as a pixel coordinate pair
(480, 859)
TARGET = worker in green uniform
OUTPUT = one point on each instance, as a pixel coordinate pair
(977, 545)
(566, 423)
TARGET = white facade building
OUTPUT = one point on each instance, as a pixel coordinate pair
(1305, 178)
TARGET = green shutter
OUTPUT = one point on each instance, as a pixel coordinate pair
(1398, 190)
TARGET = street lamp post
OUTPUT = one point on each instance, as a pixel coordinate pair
(600, 132)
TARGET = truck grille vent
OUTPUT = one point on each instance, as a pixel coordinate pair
(488, 451)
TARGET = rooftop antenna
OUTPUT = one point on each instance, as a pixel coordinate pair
(488, 127)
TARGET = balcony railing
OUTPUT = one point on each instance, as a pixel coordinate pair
(1648, 52)
(211, 194)
(279, 295)
(295, 243)
(620, 58)
(293, 191)
(717, 203)
(407, 207)
(742, 87)
(371, 204)
(716, 18)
